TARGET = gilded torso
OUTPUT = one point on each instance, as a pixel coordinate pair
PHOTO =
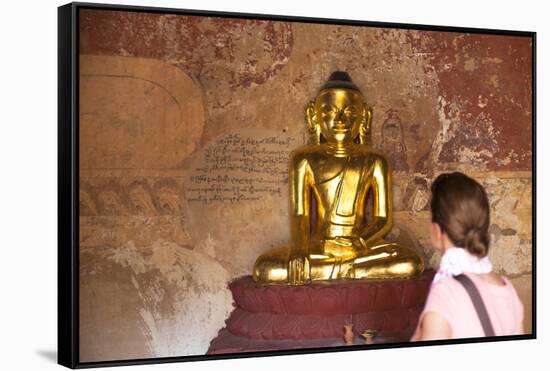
(340, 185)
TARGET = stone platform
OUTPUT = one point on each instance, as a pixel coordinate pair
(275, 317)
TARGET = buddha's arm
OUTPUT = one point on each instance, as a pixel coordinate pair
(300, 185)
(381, 222)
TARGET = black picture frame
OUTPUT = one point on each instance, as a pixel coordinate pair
(68, 181)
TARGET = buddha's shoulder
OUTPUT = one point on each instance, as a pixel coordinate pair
(371, 153)
(319, 153)
(307, 151)
(372, 156)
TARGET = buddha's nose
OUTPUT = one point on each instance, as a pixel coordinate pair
(338, 121)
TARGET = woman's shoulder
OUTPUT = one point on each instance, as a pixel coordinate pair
(502, 292)
(445, 286)
(492, 281)
(496, 287)
(451, 285)
(509, 286)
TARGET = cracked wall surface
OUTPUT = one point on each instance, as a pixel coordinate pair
(186, 125)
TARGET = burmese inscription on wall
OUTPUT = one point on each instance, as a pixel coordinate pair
(240, 167)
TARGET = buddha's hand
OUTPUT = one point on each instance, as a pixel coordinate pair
(353, 243)
(298, 269)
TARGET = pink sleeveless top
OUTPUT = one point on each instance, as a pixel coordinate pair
(448, 298)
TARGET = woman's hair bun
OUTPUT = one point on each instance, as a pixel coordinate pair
(476, 241)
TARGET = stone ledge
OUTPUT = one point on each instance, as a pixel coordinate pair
(268, 326)
(331, 297)
(272, 317)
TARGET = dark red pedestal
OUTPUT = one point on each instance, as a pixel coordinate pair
(274, 317)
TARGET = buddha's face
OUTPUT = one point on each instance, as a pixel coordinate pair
(339, 113)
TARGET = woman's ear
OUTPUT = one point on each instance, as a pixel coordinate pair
(436, 236)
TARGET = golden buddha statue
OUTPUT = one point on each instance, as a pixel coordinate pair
(330, 179)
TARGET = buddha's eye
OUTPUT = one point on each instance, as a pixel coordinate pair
(350, 111)
(328, 111)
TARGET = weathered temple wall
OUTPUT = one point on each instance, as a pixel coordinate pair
(186, 125)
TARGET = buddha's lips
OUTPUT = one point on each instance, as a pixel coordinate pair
(342, 129)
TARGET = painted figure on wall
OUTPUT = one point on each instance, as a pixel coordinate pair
(393, 142)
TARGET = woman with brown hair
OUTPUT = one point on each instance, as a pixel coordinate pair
(466, 298)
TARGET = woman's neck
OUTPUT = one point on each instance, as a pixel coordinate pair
(446, 243)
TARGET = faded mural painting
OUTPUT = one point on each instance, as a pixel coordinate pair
(186, 127)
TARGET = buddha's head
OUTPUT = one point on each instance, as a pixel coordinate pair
(339, 113)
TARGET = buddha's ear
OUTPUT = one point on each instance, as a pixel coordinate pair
(312, 124)
(364, 128)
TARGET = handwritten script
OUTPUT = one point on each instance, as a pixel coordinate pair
(239, 168)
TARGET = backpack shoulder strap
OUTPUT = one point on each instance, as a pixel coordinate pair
(478, 303)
